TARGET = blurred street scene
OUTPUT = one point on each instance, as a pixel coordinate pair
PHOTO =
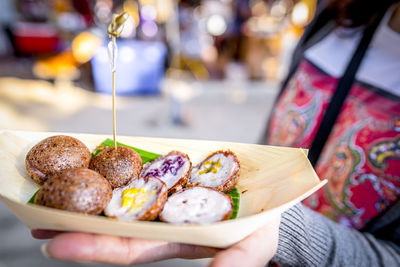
(191, 69)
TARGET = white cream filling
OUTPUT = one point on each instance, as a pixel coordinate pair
(196, 205)
(206, 177)
(168, 178)
(127, 213)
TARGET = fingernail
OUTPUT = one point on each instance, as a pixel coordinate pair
(43, 249)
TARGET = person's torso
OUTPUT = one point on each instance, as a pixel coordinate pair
(361, 158)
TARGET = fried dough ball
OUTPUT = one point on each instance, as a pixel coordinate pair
(55, 154)
(140, 200)
(220, 170)
(197, 205)
(173, 169)
(119, 166)
(79, 190)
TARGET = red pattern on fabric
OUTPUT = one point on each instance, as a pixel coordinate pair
(361, 157)
(301, 107)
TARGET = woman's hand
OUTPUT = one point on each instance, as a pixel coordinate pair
(255, 250)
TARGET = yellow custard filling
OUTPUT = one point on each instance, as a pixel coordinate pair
(134, 198)
(210, 166)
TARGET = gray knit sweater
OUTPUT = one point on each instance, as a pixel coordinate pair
(307, 238)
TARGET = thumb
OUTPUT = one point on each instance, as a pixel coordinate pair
(255, 250)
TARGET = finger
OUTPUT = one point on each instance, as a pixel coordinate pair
(44, 234)
(119, 250)
(255, 250)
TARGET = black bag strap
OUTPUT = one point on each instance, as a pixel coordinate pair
(341, 92)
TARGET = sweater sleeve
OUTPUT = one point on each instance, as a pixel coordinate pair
(307, 238)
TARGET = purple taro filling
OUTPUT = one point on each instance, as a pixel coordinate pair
(171, 165)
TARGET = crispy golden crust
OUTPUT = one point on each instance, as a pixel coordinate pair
(229, 183)
(180, 184)
(55, 154)
(118, 168)
(229, 213)
(152, 213)
(79, 190)
(183, 181)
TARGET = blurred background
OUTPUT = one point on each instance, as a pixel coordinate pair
(202, 69)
